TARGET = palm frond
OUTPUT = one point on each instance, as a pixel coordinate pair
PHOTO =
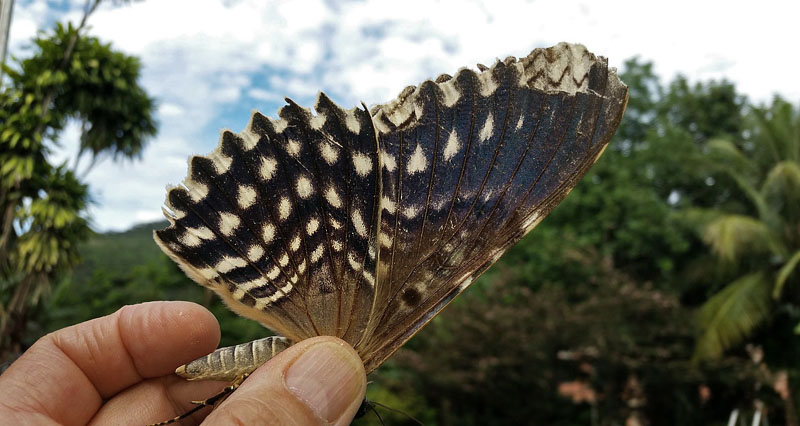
(784, 273)
(724, 153)
(698, 218)
(731, 236)
(732, 314)
(779, 131)
(743, 176)
(782, 189)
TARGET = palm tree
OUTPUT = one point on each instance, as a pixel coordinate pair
(764, 242)
(761, 243)
(43, 206)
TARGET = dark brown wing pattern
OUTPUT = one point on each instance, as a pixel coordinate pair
(364, 225)
(471, 164)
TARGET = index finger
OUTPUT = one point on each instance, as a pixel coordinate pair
(66, 375)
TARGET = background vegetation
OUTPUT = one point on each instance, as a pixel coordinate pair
(663, 291)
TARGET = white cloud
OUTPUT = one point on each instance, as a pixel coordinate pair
(203, 58)
(170, 110)
(264, 95)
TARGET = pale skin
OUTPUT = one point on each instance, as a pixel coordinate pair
(119, 369)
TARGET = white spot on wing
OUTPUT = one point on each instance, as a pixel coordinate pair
(295, 243)
(370, 279)
(351, 258)
(246, 196)
(228, 264)
(317, 121)
(316, 255)
(487, 129)
(335, 224)
(304, 187)
(228, 223)
(352, 122)
(268, 167)
(417, 163)
(362, 163)
(385, 240)
(279, 125)
(249, 139)
(487, 83)
(273, 273)
(358, 223)
(258, 282)
(208, 273)
(269, 232)
(389, 162)
(419, 109)
(202, 233)
(520, 122)
(221, 162)
(329, 153)
(284, 208)
(197, 190)
(337, 245)
(333, 197)
(293, 148)
(312, 226)
(255, 252)
(284, 260)
(388, 204)
(190, 239)
(452, 146)
(411, 211)
(450, 92)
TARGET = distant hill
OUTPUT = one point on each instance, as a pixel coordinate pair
(118, 252)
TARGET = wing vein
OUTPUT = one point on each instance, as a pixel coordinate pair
(432, 174)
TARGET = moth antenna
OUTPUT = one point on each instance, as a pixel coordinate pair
(372, 405)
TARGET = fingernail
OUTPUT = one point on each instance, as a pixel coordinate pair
(327, 378)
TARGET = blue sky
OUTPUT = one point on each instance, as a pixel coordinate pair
(209, 63)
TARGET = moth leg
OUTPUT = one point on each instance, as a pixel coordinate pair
(209, 402)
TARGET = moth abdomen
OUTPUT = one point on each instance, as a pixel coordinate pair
(232, 362)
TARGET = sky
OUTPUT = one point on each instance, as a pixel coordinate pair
(210, 63)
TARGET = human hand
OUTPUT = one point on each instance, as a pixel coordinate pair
(118, 370)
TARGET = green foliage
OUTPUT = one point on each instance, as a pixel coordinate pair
(96, 85)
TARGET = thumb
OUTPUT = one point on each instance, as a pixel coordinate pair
(317, 381)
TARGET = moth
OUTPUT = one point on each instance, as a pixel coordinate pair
(365, 223)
